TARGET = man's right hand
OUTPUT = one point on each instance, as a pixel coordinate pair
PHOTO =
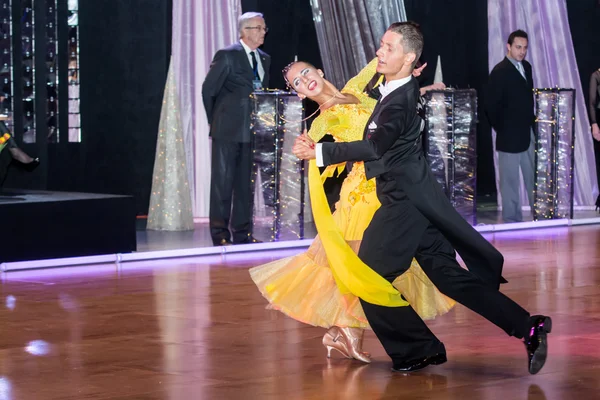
(596, 132)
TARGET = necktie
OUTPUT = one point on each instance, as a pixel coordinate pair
(254, 66)
(521, 70)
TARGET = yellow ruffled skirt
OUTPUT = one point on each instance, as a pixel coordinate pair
(304, 288)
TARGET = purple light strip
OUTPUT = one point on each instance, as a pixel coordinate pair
(246, 248)
(58, 262)
(516, 226)
(584, 221)
(154, 255)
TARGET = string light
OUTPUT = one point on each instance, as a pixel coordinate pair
(554, 158)
(451, 146)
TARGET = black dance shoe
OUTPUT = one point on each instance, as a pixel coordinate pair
(536, 342)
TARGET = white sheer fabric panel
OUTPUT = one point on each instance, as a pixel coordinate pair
(200, 28)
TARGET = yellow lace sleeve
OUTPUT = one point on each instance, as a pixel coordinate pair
(318, 129)
(356, 85)
(330, 120)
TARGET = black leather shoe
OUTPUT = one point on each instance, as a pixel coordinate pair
(248, 240)
(536, 342)
(416, 365)
(222, 242)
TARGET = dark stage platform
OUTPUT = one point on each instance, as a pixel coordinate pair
(40, 225)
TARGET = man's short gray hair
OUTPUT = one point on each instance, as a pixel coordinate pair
(245, 18)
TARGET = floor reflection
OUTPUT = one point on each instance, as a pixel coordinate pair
(199, 329)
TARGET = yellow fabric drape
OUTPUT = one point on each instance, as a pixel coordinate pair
(350, 273)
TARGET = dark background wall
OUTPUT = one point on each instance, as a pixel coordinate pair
(584, 20)
(125, 50)
(124, 56)
(457, 32)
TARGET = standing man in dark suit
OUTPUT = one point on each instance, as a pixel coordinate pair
(235, 72)
(417, 219)
(509, 106)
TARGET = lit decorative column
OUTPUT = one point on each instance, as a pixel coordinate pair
(450, 144)
(277, 174)
(554, 161)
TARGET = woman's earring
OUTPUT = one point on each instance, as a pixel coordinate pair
(301, 96)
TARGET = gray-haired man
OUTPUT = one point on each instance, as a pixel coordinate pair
(235, 72)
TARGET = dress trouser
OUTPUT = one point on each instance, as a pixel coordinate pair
(231, 194)
(399, 231)
(510, 182)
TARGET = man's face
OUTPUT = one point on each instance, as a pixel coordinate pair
(254, 32)
(391, 55)
(518, 49)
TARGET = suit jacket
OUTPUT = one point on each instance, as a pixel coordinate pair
(398, 136)
(392, 151)
(226, 93)
(509, 106)
(594, 100)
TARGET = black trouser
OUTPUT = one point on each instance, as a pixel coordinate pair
(398, 232)
(231, 184)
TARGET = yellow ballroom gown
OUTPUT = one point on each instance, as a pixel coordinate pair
(303, 286)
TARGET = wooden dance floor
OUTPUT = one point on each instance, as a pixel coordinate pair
(198, 329)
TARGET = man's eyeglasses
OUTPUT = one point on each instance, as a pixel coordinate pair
(261, 28)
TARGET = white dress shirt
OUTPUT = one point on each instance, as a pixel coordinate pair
(385, 90)
(261, 71)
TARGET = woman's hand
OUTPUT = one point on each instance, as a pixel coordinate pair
(596, 132)
(304, 147)
(417, 71)
(435, 86)
(306, 139)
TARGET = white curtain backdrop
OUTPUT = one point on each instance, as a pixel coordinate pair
(200, 28)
